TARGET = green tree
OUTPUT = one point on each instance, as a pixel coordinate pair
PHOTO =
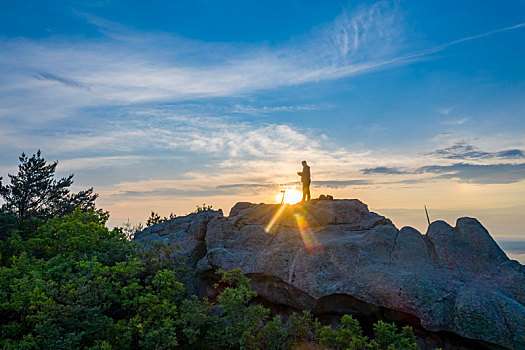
(302, 329)
(347, 335)
(387, 337)
(129, 229)
(155, 218)
(34, 192)
(204, 207)
(242, 322)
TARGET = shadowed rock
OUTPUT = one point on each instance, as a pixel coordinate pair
(337, 256)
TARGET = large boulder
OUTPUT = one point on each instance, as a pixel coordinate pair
(338, 257)
(187, 232)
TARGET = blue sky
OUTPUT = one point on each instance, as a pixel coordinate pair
(169, 104)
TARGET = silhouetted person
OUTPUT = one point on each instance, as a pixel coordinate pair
(305, 179)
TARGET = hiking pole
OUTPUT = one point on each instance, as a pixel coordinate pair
(426, 212)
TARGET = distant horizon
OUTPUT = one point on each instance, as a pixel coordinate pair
(169, 105)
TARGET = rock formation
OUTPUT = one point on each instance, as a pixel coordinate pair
(336, 257)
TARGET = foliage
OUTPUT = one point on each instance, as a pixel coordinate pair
(73, 283)
(388, 338)
(241, 322)
(204, 207)
(302, 329)
(8, 222)
(35, 193)
(155, 218)
(129, 230)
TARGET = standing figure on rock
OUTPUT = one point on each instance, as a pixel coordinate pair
(305, 179)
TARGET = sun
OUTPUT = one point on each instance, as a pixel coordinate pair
(291, 196)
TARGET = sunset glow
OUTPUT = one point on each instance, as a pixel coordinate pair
(274, 218)
(291, 196)
(310, 241)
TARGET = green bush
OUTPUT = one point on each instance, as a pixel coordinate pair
(75, 284)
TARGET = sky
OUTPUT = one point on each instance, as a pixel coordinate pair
(165, 105)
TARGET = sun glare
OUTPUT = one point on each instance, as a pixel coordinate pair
(291, 196)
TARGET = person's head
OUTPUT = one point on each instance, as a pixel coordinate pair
(303, 162)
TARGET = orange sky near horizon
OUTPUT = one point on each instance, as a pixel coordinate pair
(499, 207)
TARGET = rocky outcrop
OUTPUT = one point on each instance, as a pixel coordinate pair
(187, 232)
(336, 257)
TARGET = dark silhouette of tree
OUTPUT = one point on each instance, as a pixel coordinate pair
(35, 193)
(155, 218)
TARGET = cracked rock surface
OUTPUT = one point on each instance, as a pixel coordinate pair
(337, 256)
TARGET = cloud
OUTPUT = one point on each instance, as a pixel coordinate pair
(445, 111)
(455, 122)
(384, 170)
(322, 183)
(488, 173)
(511, 153)
(117, 94)
(479, 174)
(271, 109)
(129, 67)
(170, 193)
(463, 150)
(98, 162)
(442, 135)
(341, 183)
(513, 246)
(478, 36)
(246, 186)
(67, 82)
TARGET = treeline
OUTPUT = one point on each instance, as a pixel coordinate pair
(68, 282)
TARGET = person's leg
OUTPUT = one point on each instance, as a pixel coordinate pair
(305, 189)
(308, 192)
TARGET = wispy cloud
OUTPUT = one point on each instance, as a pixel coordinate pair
(125, 66)
(477, 166)
(478, 36)
(445, 111)
(443, 135)
(501, 173)
(247, 109)
(342, 183)
(67, 82)
(97, 162)
(479, 174)
(463, 150)
(460, 121)
(384, 170)
(247, 186)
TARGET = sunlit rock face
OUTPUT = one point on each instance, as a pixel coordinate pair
(336, 257)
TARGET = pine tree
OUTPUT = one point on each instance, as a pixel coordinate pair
(35, 193)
